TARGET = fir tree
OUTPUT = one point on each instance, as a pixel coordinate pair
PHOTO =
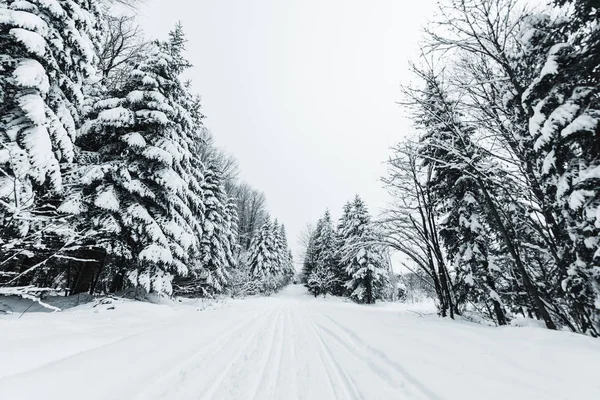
(565, 127)
(455, 177)
(48, 53)
(344, 234)
(262, 257)
(322, 251)
(363, 256)
(215, 241)
(288, 260)
(326, 244)
(233, 247)
(311, 255)
(134, 191)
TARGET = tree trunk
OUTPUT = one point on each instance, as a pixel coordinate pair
(498, 311)
(369, 287)
(529, 286)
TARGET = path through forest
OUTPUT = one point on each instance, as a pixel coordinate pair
(288, 346)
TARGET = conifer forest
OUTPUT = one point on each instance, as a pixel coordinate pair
(140, 255)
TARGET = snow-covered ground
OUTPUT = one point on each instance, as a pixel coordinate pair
(288, 346)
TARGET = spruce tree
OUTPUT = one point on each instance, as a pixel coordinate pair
(233, 247)
(363, 256)
(215, 241)
(262, 256)
(321, 254)
(344, 234)
(310, 257)
(289, 270)
(455, 167)
(565, 127)
(326, 244)
(48, 53)
(134, 189)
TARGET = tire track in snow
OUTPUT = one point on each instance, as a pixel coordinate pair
(330, 383)
(367, 349)
(256, 336)
(331, 365)
(270, 372)
(176, 374)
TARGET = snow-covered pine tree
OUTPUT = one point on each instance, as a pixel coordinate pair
(134, 191)
(326, 247)
(262, 251)
(289, 270)
(278, 251)
(343, 234)
(455, 165)
(48, 52)
(363, 255)
(310, 256)
(233, 247)
(565, 127)
(214, 243)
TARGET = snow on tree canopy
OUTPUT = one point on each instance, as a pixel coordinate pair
(139, 140)
(362, 254)
(48, 54)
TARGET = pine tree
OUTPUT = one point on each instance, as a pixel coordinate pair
(565, 127)
(278, 266)
(363, 256)
(134, 190)
(344, 233)
(455, 168)
(262, 256)
(311, 255)
(326, 244)
(288, 260)
(48, 53)
(322, 252)
(215, 241)
(233, 247)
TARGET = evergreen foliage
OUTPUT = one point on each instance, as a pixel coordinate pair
(145, 203)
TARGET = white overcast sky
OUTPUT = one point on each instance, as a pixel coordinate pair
(302, 92)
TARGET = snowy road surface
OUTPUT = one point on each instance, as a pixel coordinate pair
(289, 346)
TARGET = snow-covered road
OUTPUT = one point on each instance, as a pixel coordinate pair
(289, 346)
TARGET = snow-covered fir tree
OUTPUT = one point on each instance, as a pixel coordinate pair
(310, 257)
(278, 250)
(232, 242)
(565, 128)
(48, 53)
(322, 252)
(269, 258)
(454, 165)
(134, 191)
(343, 234)
(288, 269)
(364, 256)
(326, 243)
(262, 252)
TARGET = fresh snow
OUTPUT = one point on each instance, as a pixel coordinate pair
(32, 40)
(288, 346)
(31, 74)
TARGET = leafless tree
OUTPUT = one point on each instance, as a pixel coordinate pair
(251, 212)
(411, 225)
(304, 240)
(122, 46)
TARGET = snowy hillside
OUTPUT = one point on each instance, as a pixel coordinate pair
(287, 346)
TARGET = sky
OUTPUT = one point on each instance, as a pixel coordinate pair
(302, 92)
